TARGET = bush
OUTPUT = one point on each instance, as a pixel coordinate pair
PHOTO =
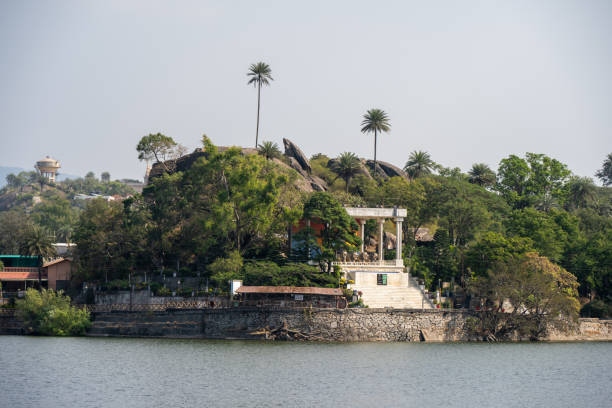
(49, 313)
(163, 291)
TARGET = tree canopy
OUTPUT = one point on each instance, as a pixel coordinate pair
(157, 146)
(419, 164)
(605, 173)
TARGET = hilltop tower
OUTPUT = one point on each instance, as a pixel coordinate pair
(48, 167)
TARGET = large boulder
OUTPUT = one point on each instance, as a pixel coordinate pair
(171, 166)
(292, 150)
(387, 169)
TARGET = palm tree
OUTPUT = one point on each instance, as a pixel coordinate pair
(482, 175)
(375, 120)
(346, 166)
(260, 74)
(269, 150)
(419, 164)
(36, 242)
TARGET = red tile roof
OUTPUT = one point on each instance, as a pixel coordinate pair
(290, 290)
(20, 276)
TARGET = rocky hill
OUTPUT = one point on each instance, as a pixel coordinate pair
(293, 157)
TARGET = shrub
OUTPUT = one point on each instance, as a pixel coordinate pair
(49, 313)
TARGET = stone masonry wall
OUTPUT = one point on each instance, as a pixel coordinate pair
(340, 325)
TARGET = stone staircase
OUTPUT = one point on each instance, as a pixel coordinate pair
(406, 297)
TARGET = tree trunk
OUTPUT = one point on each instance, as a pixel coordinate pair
(258, 104)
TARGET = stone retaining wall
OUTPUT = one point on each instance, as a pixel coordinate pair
(340, 325)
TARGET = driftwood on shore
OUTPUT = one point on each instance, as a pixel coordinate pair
(284, 333)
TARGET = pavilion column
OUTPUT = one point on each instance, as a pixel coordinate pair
(398, 239)
(381, 222)
(362, 233)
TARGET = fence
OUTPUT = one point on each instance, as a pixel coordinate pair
(158, 307)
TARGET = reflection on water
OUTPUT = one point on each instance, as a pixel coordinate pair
(110, 372)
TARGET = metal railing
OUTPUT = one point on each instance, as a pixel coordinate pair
(365, 263)
(157, 307)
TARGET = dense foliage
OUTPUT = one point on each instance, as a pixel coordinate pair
(49, 313)
(532, 291)
(229, 215)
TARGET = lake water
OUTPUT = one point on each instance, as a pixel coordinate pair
(126, 373)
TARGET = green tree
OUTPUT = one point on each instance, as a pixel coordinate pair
(547, 180)
(17, 181)
(13, 226)
(263, 273)
(56, 215)
(464, 209)
(338, 228)
(548, 238)
(260, 74)
(482, 175)
(346, 166)
(375, 121)
(419, 164)
(605, 173)
(440, 258)
(525, 296)
(156, 146)
(269, 150)
(49, 313)
(105, 177)
(590, 255)
(581, 193)
(537, 180)
(494, 248)
(233, 201)
(99, 239)
(224, 270)
(512, 176)
(320, 164)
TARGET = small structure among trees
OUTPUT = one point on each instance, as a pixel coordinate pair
(291, 296)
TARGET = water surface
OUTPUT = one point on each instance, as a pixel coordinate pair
(114, 372)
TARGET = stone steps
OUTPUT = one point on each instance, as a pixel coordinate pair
(396, 297)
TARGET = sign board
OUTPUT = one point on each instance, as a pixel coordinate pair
(298, 297)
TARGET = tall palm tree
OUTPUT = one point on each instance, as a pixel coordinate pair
(36, 242)
(260, 74)
(269, 150)
(346, 166)
(482, 175)
(375, 120)
(419, 164)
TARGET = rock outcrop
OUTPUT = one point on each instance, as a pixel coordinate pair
(293, 151)
(181, 164)
(386, 169)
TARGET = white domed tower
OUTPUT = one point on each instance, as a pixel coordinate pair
(48, 168)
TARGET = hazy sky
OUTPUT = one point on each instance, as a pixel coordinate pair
(467, 81)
